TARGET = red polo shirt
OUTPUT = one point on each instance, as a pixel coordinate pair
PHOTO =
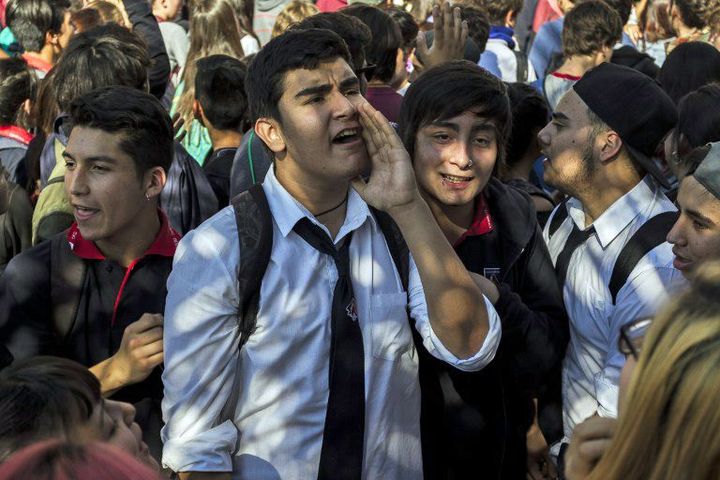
(164, 245)
(482, 222)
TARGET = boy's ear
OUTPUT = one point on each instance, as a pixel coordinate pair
(52, 38)
(155, 179)
(198, 112)
(510, 18)
(270, 132)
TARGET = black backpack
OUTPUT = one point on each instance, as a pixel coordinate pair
(651, 234)
(255, 236)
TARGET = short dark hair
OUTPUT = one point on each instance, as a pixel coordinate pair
(386, 39)
(354, 33)
(589, 27)
(530, 113)
(144, 123)
(43, 397)
(408, 26)
(448, 90)
(688, 67)
(17, 84)
(30, 20)
(623, 8)
(294, 49)
(694, 13)
(699, 116)
(478, 25)
(102, 56)
(497, 10)
(220, 89)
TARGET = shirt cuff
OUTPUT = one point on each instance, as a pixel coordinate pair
(606, 393)
(210, 451)
(478, 361)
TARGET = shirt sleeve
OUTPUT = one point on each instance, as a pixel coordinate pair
(641, 297)
(419, 313)
(201, 354)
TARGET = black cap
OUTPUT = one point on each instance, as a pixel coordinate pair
(708, 172)
(634, 106)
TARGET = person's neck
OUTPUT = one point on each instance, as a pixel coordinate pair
(47, 54)
(577, 65)
(522, 168)
(125, 247)
(378, 83)
(683, 31)
(224, 138)
(317, 197)
(603, 193)
(454, 220)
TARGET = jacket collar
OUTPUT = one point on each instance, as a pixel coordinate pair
(16, 133)
(164, 244)
(37, 63)
(512, 211)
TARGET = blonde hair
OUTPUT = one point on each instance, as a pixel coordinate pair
(670, 423)
(294, 12)
(213, 30)
(108, 12)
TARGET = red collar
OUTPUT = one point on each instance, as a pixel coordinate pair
(164, 244)
(37, 63)
(16, 133)
(566, 76)
(482, 222)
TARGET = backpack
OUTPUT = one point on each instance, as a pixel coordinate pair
(651, 234)
(255, 236)
(521, 66)
(53, 212)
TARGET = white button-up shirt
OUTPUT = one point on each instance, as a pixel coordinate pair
(591, 369)
(277, 385)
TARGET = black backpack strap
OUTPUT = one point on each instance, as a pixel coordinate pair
(67, 276)
(255, 236)
(521, 66)
(561, 214)
(396, 244)
(650, 235)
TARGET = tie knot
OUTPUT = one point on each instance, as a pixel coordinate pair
(317, 238)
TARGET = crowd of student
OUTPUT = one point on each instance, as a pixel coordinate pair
(317, 240)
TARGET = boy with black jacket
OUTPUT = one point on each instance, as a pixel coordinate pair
(456, 140)
(95, 293)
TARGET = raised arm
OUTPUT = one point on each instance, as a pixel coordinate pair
(456, 307)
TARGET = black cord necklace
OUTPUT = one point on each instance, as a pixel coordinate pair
(333, 208)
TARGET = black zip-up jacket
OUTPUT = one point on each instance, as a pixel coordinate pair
(111, 298)
(475, 423)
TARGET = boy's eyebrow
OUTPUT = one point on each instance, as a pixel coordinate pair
(445, 124)
(325, 88)
(96, 158)
(698, 216)
(316, 90)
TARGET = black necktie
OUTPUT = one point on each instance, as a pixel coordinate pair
(341, 456)
(577, 237)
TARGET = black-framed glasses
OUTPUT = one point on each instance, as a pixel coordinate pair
(632, 335)
(367, 70)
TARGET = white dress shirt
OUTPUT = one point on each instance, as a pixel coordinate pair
(276, 386)
(591, 369)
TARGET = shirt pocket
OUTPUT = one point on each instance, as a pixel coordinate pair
(389, 325)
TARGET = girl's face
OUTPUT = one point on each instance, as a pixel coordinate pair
(114, 423)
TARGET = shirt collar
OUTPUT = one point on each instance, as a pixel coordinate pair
(482, 221)
(620, 214)
(287, 211)
(16, 133)
(37, 63)
(164, 244)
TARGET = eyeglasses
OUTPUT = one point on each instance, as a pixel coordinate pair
(367, 70)
(632, 336)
